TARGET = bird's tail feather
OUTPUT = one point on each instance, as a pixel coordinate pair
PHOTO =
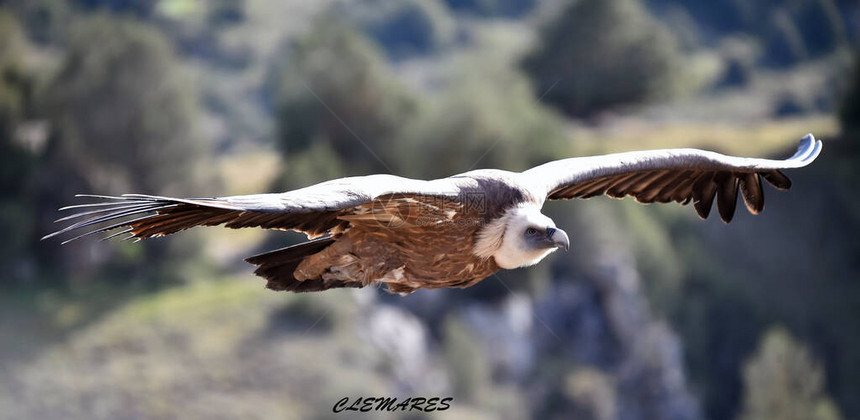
(278, 266)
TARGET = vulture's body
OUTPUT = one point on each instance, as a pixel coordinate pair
(449, 232)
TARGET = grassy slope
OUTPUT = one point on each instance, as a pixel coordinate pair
(760, 139)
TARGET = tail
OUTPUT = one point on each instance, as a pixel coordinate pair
(278, 266)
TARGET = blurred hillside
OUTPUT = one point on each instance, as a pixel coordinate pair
(653, 314)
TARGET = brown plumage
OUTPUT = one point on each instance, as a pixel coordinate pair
(450, 232)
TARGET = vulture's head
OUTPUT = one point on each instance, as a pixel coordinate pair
(520, 238)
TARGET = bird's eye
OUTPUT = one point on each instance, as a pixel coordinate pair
(531, 231)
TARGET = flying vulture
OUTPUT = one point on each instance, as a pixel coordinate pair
(449, 232)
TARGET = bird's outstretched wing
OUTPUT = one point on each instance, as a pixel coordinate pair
(314, 210)
(680, 175)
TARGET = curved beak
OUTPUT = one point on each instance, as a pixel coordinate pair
(558, 238)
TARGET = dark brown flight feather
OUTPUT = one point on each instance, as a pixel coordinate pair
(679, 175)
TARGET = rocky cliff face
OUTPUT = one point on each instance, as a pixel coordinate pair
(587, 347)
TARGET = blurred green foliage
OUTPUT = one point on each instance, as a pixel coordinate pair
(849, 110)
(112, 113)
(783, 381)
(122, 119)
(491, 8)
(789, 31)
(466, 361)
(403, 28)
(17, 162)
(333, 93)
(338, 99)
(44, 20)
(583, 68)
(473, 124)
(123, 113)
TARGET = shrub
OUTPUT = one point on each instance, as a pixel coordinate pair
(600, 54)
(783, 381)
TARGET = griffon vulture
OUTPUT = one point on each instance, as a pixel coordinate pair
(449, 232)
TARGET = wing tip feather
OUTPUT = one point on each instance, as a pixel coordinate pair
(808, 150)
